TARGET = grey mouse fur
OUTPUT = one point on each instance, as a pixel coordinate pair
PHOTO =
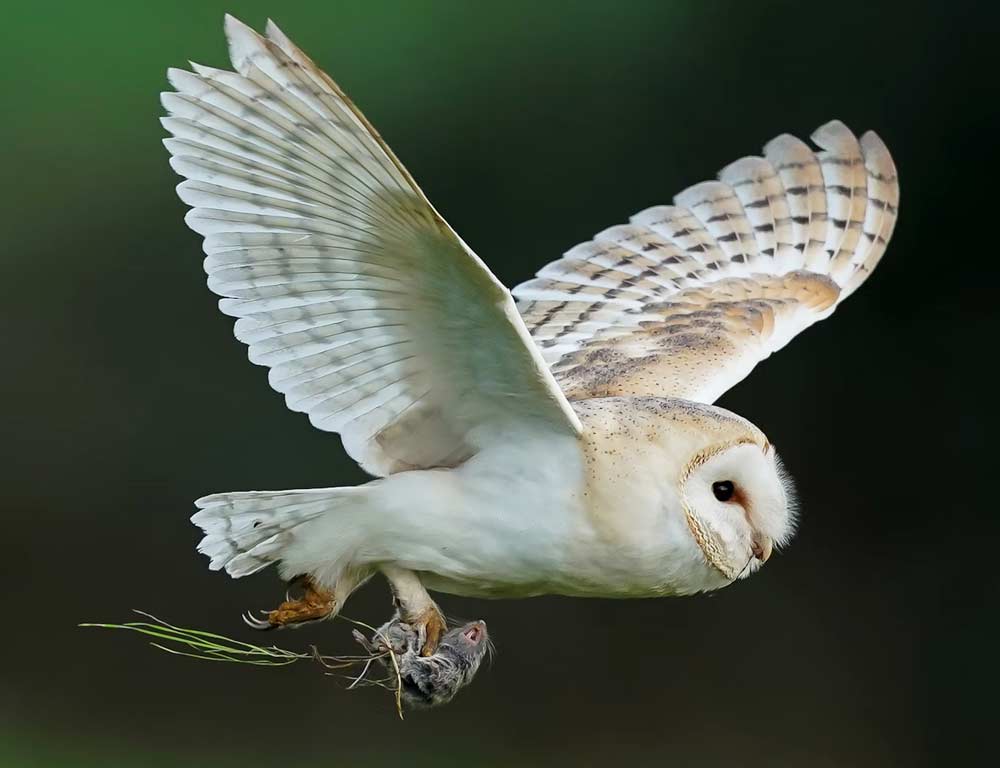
(432, 680)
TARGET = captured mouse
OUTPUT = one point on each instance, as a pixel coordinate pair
(435, 679)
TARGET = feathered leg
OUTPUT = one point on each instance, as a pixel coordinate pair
(416, 607)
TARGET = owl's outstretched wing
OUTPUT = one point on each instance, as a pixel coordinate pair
(374, 317)
(686, 299)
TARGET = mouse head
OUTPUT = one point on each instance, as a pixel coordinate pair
(435, 679)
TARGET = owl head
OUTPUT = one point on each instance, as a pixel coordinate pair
(737, 500)
(699, 496)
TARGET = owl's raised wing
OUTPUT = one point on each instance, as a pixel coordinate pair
(374, 317)
(686, 299)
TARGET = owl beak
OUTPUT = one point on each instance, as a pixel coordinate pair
(761, 546)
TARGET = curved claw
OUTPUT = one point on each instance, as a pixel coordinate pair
(255, 623)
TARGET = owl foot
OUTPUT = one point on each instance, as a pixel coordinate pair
(430, 626)
(315, 604)
(415, 607)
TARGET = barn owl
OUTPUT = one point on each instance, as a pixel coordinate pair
(557, 439)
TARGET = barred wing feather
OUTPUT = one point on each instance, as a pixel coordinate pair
(686, 299)
(374, 318)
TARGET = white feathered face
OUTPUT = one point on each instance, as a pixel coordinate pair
(739, 505)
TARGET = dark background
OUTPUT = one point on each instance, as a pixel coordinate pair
(531, 126)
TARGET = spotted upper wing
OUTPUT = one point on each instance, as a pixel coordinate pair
(373, 316)
(685, 299)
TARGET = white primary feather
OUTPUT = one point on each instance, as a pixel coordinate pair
(374, 317)
(687, 298)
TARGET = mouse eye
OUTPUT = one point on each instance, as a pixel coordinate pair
(723, 490)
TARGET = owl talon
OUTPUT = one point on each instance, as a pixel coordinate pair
(430, 627)
(253, 622)
(315, 604)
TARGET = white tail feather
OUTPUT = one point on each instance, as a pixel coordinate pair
(248, 530)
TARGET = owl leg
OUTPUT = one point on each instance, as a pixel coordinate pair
(416, 607)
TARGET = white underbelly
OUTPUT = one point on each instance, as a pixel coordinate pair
(530, 518)
(506, 524)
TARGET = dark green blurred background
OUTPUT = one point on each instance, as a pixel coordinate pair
(530, 126)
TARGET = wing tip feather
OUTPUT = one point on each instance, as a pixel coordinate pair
(274, 33)
(745, 168)
(835, 136)
(698, 193)
(243, 42)
(878, 157)
(786, 145)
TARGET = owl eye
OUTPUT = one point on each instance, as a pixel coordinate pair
(723, 490)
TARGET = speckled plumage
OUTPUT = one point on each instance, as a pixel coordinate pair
(685, 299)
(563, 445)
